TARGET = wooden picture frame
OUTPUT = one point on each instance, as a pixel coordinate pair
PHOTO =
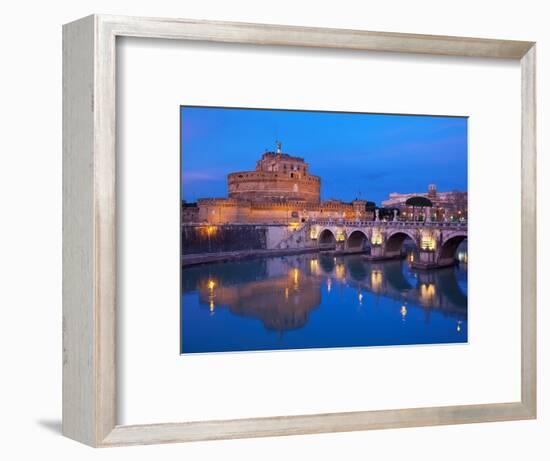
(89, 229)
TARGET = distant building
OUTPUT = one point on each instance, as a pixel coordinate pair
(447, 206)
(279, 190)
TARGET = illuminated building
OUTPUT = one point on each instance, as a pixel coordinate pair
(280, 190)
(278, 177)
(447, 206)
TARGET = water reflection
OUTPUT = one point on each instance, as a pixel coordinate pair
(279, 303)
(314, 301)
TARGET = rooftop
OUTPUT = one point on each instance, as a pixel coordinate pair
(281, 155)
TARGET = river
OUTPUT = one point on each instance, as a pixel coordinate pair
(320, 301)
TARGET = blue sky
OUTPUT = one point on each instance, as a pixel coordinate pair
(356, 155)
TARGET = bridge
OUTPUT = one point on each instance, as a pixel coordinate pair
(436, 242)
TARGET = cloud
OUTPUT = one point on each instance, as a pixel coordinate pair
(194, 176)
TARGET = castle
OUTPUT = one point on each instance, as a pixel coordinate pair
(280, 191)
(278, 177)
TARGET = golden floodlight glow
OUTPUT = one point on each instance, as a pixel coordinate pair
(314, 233)
(376, 280)
(295, 277)
(329, 284)
(211, 285)
(376, 238)
(427, 292)
(314, 266)
(427, 242)
(403, 311)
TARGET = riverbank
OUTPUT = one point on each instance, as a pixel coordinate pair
(206, 258)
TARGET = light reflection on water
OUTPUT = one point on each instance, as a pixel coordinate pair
(318, 301)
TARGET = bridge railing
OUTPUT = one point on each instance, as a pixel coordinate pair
(344, 222)
(361, 223)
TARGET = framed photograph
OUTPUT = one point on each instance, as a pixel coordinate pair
(277, 257)
(274, 230)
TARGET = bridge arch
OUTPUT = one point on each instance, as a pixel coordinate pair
(357, 269)
(396, 279)
(357, 240)
(449, 246)
(394, 241)
(327, 263)
(326, 238)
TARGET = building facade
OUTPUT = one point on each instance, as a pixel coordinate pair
(447, 206)
(278, 177)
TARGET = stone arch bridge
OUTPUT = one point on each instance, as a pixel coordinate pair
(436, 242)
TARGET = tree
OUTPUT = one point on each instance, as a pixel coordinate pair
(386, 214)
(418, 201)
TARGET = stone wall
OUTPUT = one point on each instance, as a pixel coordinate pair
(218, 211)
(221, 211)
(197, 239)
(261, 186)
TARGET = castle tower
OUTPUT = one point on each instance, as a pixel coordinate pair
(279, 177)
